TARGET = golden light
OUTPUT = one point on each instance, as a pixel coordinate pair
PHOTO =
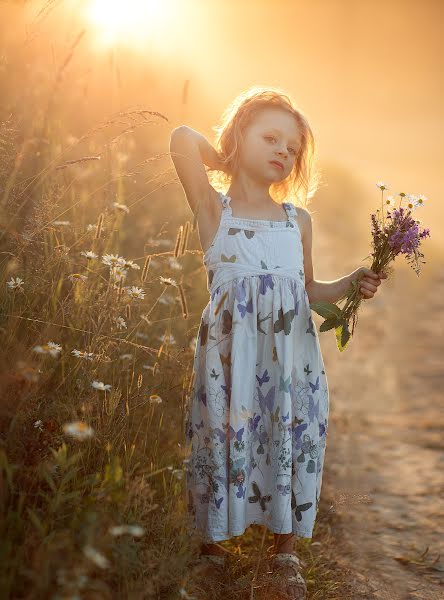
(133, 22)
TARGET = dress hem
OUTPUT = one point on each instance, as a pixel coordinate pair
(220, 537)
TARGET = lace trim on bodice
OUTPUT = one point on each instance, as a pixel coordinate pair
(289, 207)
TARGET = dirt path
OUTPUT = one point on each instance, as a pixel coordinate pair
(385, 453)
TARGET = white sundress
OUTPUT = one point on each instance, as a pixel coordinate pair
(257, 415)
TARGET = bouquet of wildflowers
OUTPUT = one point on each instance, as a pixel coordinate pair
(394, 232)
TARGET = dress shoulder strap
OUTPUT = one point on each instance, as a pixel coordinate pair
(225, 200)
(290, 209)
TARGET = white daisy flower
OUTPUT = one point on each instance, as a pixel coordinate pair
(390, 201)
(15, 283)
(99, 385)
(39, 424)
(49, 348)
(113, 260)
(155, 399)
(135, 530)
(85, 355)
(89, 254)
(130, 263)
(122, 207)
(410, 202)
(382, 186)
(78, 430)
(167, 281)
(135, 292)
(121, 323)
(118, 274)
(174, 263)
(54, 347)
(96, 557)
(420, 200)
(167, 337)
(93, 227)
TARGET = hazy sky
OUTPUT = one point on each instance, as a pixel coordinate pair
(368, 75)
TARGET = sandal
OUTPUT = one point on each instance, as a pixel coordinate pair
(287, 566)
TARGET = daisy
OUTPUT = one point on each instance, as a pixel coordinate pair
(390, 201)
(78, 430)
(93, 227)
(134, 530)
(49, 348)
(135, 292)
(411, 202)
(174, 263)
(120, 322)
(113, 260)
(167, 281)
(167, 337)
(39, 424)
(382, 186)
(15, 283)
(130, 263)
(85, 355)
(99, 385)
(117, 273)
(155, 399)
(420, 200)
(89, 254)
(95, 556)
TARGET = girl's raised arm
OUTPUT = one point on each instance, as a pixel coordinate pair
(189, 152)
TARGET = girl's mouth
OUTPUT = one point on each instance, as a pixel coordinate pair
(272, 162)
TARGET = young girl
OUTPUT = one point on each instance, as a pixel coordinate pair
(257, 419)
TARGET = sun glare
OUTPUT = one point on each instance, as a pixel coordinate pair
(129, 21)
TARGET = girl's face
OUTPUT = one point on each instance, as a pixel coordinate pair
(272, 136)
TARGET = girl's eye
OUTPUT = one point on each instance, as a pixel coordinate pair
(270, 137)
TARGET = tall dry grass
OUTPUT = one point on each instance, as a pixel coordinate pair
(95, 360)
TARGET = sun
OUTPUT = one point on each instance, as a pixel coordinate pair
(134, 21)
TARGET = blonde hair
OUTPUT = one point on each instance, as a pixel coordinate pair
(303, 181)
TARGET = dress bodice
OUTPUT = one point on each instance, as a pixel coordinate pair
(243, 247)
